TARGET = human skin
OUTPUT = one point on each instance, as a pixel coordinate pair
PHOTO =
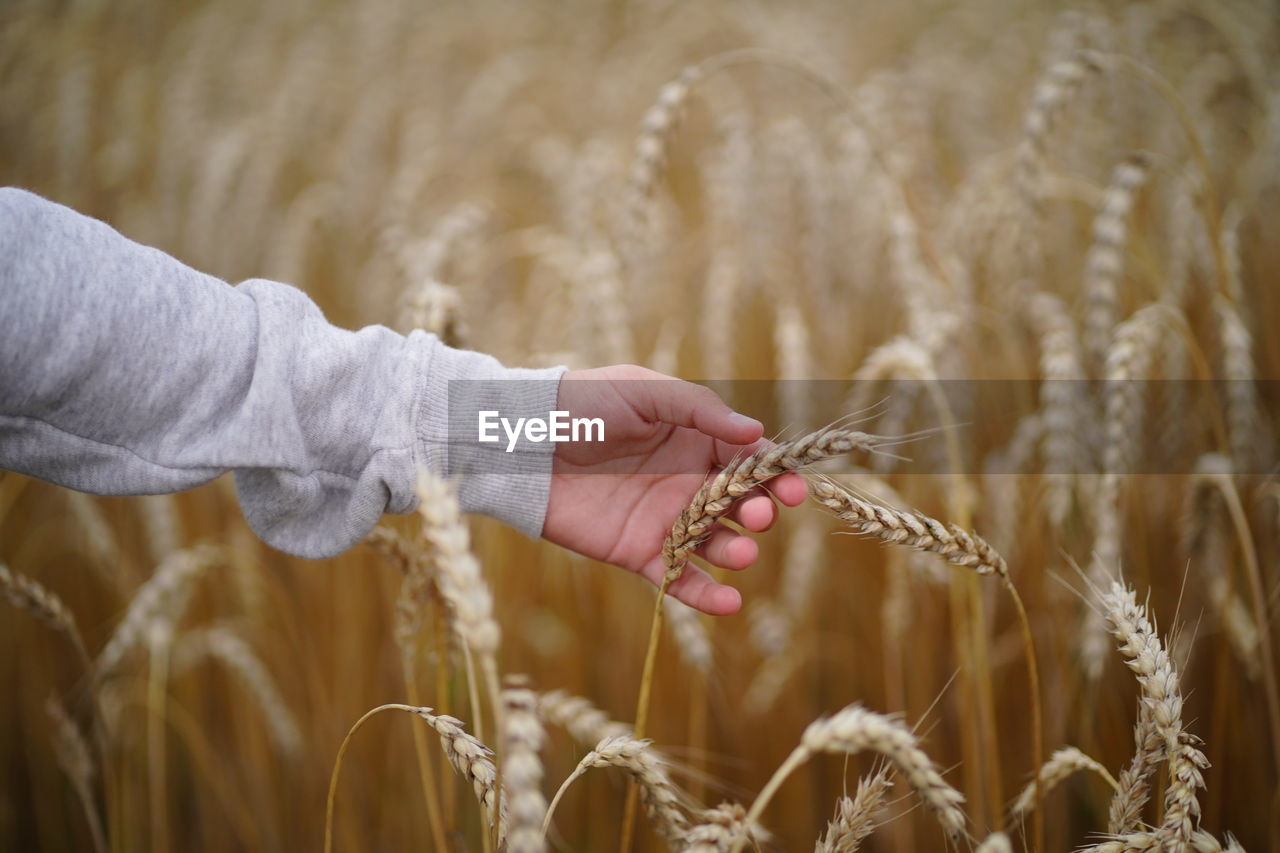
(616, 501)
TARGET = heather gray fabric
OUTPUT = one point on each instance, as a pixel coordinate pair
(124, 372)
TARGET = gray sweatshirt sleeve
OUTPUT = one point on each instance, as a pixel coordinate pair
(124, 372)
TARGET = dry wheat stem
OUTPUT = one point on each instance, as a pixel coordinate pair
(1245, 418)
(1208, 196)
(712, 500)
(773, 674)
(716, 496)
(1059, 83)
(1203, 545)
(161, 525)
(158, 603)
(1061, 766)
(996, 842)
(855, 816)
(1146, 656)
(957, 546)
(522, 738)
(418, 591)
(232, 651)
(1253, 573)
(44, 604)
(469, 757)
(690, 634)
(855, 729)
(457, 570)
(462, 585)
(1128, 361)
(911, 529)
(714, 830)
(76, 761)
(1132, 788)
(661, 797)
(586, 723)
(1104, 264)
(1062, 407)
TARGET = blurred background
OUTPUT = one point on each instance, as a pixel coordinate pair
(887, 191)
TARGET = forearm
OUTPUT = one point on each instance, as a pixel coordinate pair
(122, 371)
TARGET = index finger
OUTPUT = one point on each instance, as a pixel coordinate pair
(685, 404)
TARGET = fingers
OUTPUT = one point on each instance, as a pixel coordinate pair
(728, 549)
(788, 488)
(685, 404)
(696, 589)
(791, 489)
(755, 512)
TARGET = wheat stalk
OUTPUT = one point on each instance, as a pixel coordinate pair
(522, 738)
(954, 544)
(690, 634)
(462, 586)
(714, 830)
(457, 570)
(1062, 407)
(102, 547)
(855, 816)
(162, 525)
(1104, 264)
(41, 602)
(694, 525)
(158, 603)
(469, 757)
(1061, 766)
(912, 529)
(1145, 655)
(1051, 93)
(656, 129)
(418, 590)
(996, 842)
(766, 685)
(232, 651)
(576, 715)
(718, 494)
(1132, 788)
(661, 797)
(1128, 361)
(855, 729)
(75, 759)
(1245, 419)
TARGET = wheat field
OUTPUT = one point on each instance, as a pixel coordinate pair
(1024, 247)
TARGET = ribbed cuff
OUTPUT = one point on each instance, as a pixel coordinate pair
(513, 485)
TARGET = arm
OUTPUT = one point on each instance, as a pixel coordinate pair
(124, 372)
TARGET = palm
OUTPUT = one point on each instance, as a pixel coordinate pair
(616, 500)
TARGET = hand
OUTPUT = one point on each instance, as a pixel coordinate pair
(616, 500)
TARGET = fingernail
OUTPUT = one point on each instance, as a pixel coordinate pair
(741, 420)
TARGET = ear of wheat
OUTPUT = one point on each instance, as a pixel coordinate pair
(855, 817)
(1061, 766)
(522, 738)
(1161, 694)
(912, 529)
(738, 478)
(661, 797)
(715, 830)
(75, 759)
(158, 604)
(855, 729)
